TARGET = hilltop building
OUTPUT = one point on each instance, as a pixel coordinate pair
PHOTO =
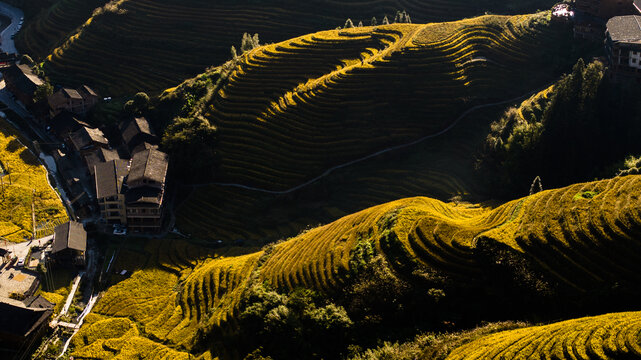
(70, 244)
(78, 101)
(133, 193)
(623, 46)
(22, 82)
(138, 135)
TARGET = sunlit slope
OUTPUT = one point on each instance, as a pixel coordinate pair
(582, 236)
(153, 44)
(25, 193)
(612, 336)
(577, 234)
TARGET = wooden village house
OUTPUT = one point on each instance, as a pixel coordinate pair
(623, 45)
(70, 244)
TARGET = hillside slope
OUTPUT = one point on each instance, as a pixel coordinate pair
(25, 184)
(612, 336)
(49, 24)
(149, 45)
(292, 110)
(566, 242)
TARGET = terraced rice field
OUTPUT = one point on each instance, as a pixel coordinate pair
(53, 24)
(612, 336)
(328, 98)
(24, 181)
(441, 168)
(154, 44)
(576, 234)
(325, 98)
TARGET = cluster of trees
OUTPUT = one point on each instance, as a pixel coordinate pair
(401, 17)
(299, 325)
(631, 166)
(248, 43)
(190, 141)
(138, 105)
(588, 125)
(188, 137)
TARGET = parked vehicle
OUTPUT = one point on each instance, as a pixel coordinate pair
(120, 230)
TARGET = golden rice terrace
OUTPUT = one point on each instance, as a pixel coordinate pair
(580, 237)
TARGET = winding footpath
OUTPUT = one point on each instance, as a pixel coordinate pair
(378, 153)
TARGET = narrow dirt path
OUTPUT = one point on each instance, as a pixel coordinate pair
(378, 153)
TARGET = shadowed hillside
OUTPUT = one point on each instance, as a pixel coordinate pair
(553, 246)
(332, 97)
(150, 45)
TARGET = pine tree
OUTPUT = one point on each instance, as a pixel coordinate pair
(247, 43)
(360, 24)
(405, 17)
(255, 41)
(385, 20)
(374, 22)
(537, 186)
(397, 17)
(348, 24)
(234, 53)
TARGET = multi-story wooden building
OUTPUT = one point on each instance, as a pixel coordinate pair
(146, 190)
(109, 180)
(78, 101)
(623, 46)
(138, 135)
(132, 193)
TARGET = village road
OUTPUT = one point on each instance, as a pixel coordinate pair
(7, 44)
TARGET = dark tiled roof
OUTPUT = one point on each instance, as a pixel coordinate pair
(24, 79)
(625, 28)
(21, 321)
(38, 302)
(143, 195)
(86, 90)
(71, 235)
(86, 136)
(137, 126)
(65, 122)
(142, 147)
(150, 165)
(71, 93)
(100, 155)
(109, 177)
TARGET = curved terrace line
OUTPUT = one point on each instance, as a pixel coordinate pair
(378, 153)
